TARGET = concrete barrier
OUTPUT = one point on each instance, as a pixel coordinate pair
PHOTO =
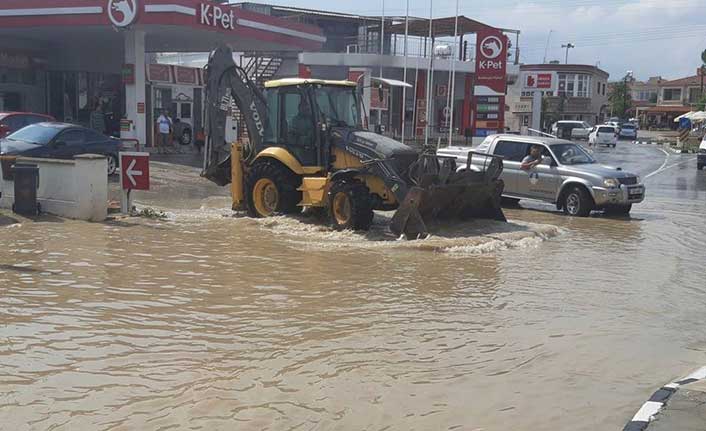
(75, 188)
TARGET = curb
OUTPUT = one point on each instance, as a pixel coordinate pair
(659, 399)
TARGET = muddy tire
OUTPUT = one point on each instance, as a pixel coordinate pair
(577, 202)
(350, 205)
(271, 189)
(619, 210)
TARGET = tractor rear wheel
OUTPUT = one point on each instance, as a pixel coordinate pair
(271, 189)
(350, 205)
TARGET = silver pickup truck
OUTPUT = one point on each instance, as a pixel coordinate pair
(568, 175)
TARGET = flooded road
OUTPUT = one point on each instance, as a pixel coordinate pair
(208, 321)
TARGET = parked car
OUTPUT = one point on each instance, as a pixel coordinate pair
(614, 124)
(627, 131)
(701, 156)
(568, 176)
(11, 122)
(571, 129)
(603, 135)
(61, 141)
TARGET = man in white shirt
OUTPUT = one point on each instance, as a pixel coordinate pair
(164, 128)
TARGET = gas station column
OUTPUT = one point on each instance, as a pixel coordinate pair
(135, 86)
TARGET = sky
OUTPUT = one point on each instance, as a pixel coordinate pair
(648, 37)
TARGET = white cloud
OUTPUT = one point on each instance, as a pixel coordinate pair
(650, 37)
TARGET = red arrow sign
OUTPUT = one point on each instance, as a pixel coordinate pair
(135, 171)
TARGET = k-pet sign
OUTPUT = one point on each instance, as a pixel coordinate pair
(214, 16)
(491, 81)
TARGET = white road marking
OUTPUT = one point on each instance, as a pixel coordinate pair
(647, 411)
(660, 170)
(664, 166)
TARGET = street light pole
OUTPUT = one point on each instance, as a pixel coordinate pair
(625, 92)
(568, 46)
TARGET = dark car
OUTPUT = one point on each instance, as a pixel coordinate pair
(11, 122)
(61, 141)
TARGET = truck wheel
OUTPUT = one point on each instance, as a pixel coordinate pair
(618, 210)
(577, 202)
(350, 205)
(271, 189)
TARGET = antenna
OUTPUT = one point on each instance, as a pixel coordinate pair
(546, 48)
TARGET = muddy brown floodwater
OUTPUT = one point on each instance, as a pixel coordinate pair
(210, 321)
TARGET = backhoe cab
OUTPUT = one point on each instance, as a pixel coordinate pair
(306, 148)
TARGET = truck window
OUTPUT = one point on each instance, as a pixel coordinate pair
(511, 151)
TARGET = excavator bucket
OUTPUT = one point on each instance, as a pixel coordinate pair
(444, 194)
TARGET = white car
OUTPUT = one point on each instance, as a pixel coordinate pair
(603, 135)
(567, 129)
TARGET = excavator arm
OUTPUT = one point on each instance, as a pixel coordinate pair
(226, 83)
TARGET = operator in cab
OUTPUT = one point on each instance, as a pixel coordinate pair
(301, 134)
(533, 158)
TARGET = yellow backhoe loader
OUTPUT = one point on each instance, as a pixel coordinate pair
(306, 147)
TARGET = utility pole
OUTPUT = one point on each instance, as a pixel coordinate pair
(568, 46)
(703, 70)
(628, 75)
(546, 48)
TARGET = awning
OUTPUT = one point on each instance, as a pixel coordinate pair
(441, 27)
(668, 109)
(390, 82)
(687, 115)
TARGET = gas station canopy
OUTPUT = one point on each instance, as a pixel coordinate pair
(440, 27)
(176, 25)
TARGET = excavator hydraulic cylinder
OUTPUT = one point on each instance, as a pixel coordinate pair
(237, 184)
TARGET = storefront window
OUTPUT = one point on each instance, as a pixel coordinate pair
(584, 86)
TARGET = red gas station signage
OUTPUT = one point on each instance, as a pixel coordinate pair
(134, 171)
(491, 81)
(213, 16)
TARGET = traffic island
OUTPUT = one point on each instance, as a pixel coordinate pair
(680, 405)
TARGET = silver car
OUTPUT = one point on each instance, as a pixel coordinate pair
(568, 175)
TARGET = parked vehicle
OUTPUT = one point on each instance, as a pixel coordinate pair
(568, 175)
(61, 141)
(571, 129)
(11, 122)
(603, 135)
(701, 156)
(627, 131)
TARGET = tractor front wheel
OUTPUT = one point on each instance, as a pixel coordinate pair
(272, 189)
(350, 205)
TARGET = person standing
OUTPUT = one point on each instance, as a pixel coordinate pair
(97, 119)
(164, 128)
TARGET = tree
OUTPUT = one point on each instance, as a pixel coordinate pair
(701, 104)
(620, 99)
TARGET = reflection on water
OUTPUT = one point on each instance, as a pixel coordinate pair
(209, 321)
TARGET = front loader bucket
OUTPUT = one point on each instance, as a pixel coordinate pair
(464, 197)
